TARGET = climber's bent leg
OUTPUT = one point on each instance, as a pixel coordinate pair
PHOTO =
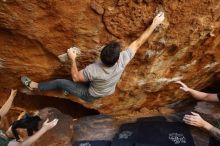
(75, 88)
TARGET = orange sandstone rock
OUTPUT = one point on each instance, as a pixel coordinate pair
(186, 47)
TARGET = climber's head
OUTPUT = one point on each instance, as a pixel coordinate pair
(110, 53)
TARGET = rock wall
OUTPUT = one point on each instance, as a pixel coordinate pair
(186, 47)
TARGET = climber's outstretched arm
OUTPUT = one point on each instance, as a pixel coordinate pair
(143, 38)
(6, 107)
(77, 75)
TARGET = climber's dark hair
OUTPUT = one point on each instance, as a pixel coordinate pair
(110, 53)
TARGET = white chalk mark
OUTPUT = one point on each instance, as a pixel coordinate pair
(162, 40)
(168, 80)
(184, 67)
(211, 65)
(2, 63)
(141, 82)
(152, 53)
(64, 57)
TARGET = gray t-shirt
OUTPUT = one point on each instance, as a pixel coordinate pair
(104, 79)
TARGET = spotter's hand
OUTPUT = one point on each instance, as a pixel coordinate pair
(195, 120)
(49, 125)
(183, 87)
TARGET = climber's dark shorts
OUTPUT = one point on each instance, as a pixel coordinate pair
(77, 89)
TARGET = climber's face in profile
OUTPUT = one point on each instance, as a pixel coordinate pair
(110, 53)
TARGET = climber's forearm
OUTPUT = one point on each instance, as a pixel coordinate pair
(142, 39)
(202, 95)
(76, 75)
(74, 71)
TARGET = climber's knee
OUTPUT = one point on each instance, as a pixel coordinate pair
(63, 83)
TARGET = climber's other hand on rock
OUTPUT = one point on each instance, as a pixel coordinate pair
(71, 54)
(158, 19)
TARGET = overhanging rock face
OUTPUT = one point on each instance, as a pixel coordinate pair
(186, 47)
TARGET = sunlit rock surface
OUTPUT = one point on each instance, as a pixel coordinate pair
(186, 47)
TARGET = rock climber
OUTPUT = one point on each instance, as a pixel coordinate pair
(195, 119)
(98, 79)
(6, 139)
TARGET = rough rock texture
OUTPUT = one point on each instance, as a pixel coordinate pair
(33, 33)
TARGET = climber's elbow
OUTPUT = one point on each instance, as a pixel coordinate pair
(77, 78)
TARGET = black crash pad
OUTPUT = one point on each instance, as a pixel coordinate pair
(164, 134)
(92, 143)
